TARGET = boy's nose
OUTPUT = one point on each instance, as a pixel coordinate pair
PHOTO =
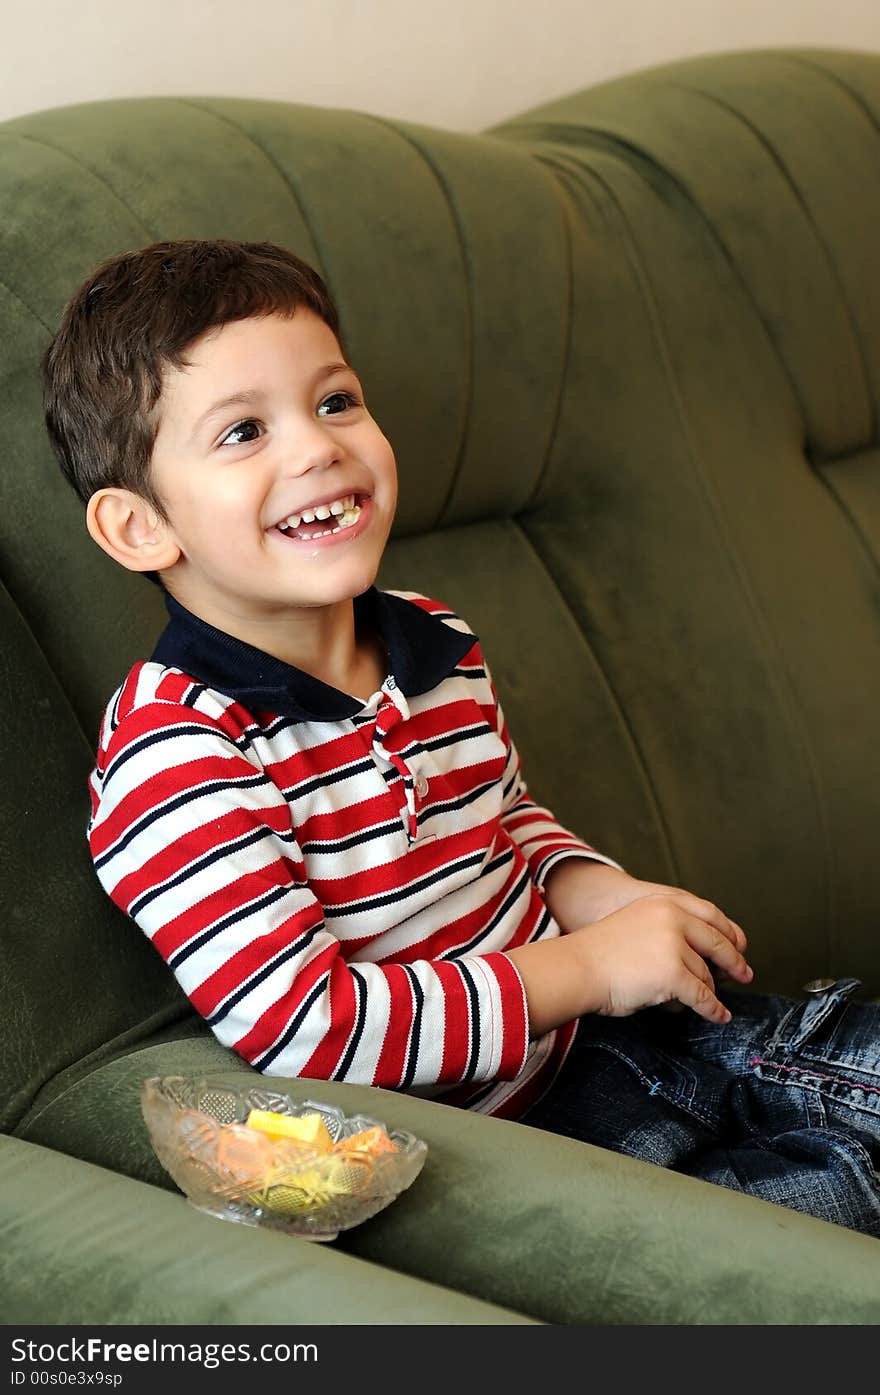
(306, 450)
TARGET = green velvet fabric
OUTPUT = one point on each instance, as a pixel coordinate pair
(523, 1219)
(627, 349)
(85, 1227)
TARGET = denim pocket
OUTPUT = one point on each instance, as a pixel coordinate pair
(657, 1067)
(830, 1047)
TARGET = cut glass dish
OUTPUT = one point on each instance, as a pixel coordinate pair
(198, 1131)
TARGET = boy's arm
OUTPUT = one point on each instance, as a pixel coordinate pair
(191, 838)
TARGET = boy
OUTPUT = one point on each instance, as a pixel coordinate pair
(309, 800)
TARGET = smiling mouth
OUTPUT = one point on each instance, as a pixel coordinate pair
(323, 522)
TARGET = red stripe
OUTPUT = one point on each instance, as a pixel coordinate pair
(391, 1064)
(445, 720)
(452, 934)
(515, 1024)
(326, 1055)
(456, 783)
(457, 1026)
(251, 957)
(318, 760)
(351, 819)
(197, 843)
(165, 785)
(173, 686)
(426, 603)
(235, 896)
(271, 1023)
(420, 861)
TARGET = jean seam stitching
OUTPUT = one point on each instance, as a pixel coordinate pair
(657, 1087)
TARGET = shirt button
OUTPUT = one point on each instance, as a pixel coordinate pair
(819, 985)
(421, 786)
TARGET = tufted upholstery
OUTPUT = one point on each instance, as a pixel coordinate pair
(627, 348)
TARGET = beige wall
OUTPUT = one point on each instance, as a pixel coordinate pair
(462, 64)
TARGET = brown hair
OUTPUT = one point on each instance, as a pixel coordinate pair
(132, 318)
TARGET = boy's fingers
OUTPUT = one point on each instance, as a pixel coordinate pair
(697, 988)
(711, 914)
(712, 943)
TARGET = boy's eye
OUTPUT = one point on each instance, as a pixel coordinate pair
(343, 400)
(347, 399)
(242, 426)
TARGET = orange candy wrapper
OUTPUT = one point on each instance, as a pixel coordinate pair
(374, 1141)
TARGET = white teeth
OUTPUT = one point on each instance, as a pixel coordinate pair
(345, 510)
(322, 511)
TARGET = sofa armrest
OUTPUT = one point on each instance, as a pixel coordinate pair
(80, 1244)
(532, 1222)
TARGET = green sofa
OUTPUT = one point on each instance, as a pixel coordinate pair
(627, 348)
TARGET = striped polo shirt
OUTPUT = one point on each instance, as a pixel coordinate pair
(333, 882)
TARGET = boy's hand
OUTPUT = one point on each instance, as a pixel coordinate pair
(579, 893)
(654, 950)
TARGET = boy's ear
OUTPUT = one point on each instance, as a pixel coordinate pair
(130, 531)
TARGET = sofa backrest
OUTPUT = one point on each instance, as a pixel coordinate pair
(627, 349)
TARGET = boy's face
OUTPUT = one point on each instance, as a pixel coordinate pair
(301, 444)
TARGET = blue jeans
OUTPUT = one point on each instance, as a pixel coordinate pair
(782, 1102)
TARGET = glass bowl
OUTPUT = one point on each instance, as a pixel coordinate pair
(198, 1132)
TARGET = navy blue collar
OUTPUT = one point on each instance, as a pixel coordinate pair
(421, 650)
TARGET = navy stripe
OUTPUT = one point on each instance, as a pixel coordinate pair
(556, 855)
(510, 900)
(511, 784)
(446, 805)
(474, 999)
(468, 734)
(289, 952)
(261, 1063)
(374, 902)
(332, 777)
(545, 921)
(152, 738)
(224, 850)
(114, 715)
(240, 913)
(360, 1021)
(355, 841)
(415, 1031)
(170, 807)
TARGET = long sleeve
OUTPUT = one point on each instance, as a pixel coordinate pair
(543, 841)
(192, 839)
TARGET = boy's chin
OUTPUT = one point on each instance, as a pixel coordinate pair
(326, 591)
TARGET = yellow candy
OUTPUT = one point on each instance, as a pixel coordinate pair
(303, 1193)
(313, 1189)
(308, 1128)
